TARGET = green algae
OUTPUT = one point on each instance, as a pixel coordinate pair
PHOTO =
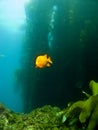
(80, 115)
(39, 119)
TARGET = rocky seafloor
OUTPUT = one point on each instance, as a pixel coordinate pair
(80, 115)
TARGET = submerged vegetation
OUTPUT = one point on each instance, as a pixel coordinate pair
(80, 115)
(84, 112)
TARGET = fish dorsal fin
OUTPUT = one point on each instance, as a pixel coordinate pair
(45, 55)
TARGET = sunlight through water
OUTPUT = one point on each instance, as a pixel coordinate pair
(12, 13)
(12, 18)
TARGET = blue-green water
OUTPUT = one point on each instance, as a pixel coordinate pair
(67, 31)
(10, 44)
(11, 37)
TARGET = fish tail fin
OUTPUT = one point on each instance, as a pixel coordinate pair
(48, 65)
(49, 60)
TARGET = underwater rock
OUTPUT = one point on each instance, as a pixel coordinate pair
(80, 115)
(40, 119)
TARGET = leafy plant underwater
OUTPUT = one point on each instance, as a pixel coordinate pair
(83, 112)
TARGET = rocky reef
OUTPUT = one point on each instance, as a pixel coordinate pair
(80, 115)
(39, 119)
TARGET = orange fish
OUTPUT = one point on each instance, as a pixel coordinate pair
(43, 61)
